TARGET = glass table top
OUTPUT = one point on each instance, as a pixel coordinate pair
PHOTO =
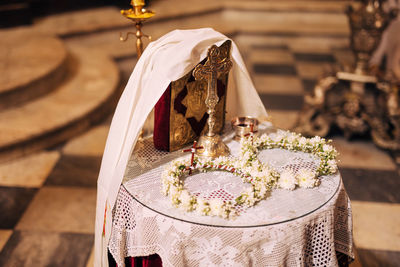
(143, 181)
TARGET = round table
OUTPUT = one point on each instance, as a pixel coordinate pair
(303, 227)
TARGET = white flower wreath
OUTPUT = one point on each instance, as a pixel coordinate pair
(261, 178)
(250, 147)
(260, 175)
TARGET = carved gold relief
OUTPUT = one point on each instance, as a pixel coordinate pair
(182, 124)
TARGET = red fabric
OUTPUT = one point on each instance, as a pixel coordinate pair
(147, 261)
(152, 261)
(161, 121)
(130, 263)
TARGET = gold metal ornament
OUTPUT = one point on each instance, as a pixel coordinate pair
(216, 65)
(367, 23)
(357, 102)
(188, 111)
(138, 15)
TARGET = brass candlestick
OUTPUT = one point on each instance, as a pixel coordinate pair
(216, 64)
(137, 14)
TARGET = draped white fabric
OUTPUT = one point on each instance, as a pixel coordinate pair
(163, 61)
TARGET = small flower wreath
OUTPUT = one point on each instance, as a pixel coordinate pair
(261, 178)
(319, 147)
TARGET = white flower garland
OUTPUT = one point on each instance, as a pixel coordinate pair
(261, 177)
(305, 178)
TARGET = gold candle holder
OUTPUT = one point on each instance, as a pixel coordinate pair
(138, 14)
(242, 127)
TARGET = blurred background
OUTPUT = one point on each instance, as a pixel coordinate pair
(63, 68)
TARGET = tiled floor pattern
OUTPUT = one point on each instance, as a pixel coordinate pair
(47, 200)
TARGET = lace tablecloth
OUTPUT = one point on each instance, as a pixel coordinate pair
(303, 227)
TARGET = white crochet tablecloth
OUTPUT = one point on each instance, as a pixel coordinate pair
(303, 227)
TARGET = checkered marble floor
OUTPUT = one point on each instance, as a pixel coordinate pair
(47, 200)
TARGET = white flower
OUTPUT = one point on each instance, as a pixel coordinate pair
(175, 193)
(281, 135)
(247, 197)
(248, 192)
(263, 138)
(220, 160)
(216, 207)
(306, 178)
(247, 154)
(315, 140)
(244, 142)
(169, 178)
(287, 180)
(332, 166)
(327, 148)
(302, 141)
(237, 164)
(276, 137)
(186, 200)
(261, 189)
(203, 207)
(291, 138)
(165, 188)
